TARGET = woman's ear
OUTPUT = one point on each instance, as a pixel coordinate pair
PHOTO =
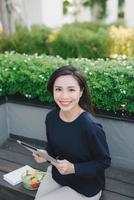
(81, 92)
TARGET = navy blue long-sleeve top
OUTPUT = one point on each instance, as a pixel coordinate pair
(83, 143)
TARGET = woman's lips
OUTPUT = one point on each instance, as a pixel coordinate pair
(65, 103)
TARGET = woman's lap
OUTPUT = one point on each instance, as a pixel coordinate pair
(67, 193)
(50, 190)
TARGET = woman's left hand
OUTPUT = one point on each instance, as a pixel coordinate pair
(64, 167)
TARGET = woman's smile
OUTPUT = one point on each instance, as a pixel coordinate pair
(65, 103)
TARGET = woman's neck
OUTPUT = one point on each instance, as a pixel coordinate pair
(69, 116)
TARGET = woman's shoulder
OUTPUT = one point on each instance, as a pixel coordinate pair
(87, 117)
(89, 121)
(52, 114)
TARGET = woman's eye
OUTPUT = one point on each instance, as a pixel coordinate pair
(71, 90)
(57, 89)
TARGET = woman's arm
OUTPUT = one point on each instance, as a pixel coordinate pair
(100, 153)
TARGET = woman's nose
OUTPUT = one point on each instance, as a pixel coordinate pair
(64, 94)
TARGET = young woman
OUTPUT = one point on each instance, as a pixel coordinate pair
(76, 139)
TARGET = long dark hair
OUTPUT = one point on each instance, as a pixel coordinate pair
(85, 100)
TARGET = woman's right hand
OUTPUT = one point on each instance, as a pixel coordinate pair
(38, 158)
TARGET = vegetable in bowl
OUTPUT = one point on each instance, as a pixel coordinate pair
(32, 178)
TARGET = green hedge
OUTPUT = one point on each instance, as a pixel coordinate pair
(111, 82)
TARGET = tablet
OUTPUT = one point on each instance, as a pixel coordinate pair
(28, 146)
(41, 152)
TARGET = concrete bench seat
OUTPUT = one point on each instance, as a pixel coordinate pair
(119, 182)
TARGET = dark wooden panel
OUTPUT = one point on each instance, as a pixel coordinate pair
(10, 145)
(6, 194)
(7, 166)
(120, 187)
(107, 195)
(22, 159)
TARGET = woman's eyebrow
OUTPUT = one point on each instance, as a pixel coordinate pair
(57, 86)
(67, 86)
(71, 86)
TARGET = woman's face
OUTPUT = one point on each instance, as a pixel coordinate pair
(66, 92)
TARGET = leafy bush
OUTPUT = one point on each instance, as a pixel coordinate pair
(74, 41)
(110, 81)
(92, 26)
(29, 42)
(122, 41)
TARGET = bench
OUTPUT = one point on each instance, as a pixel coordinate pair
(119, 182)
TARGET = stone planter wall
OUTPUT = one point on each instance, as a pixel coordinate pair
(4, 132)
(120, 136)
(27, 121)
